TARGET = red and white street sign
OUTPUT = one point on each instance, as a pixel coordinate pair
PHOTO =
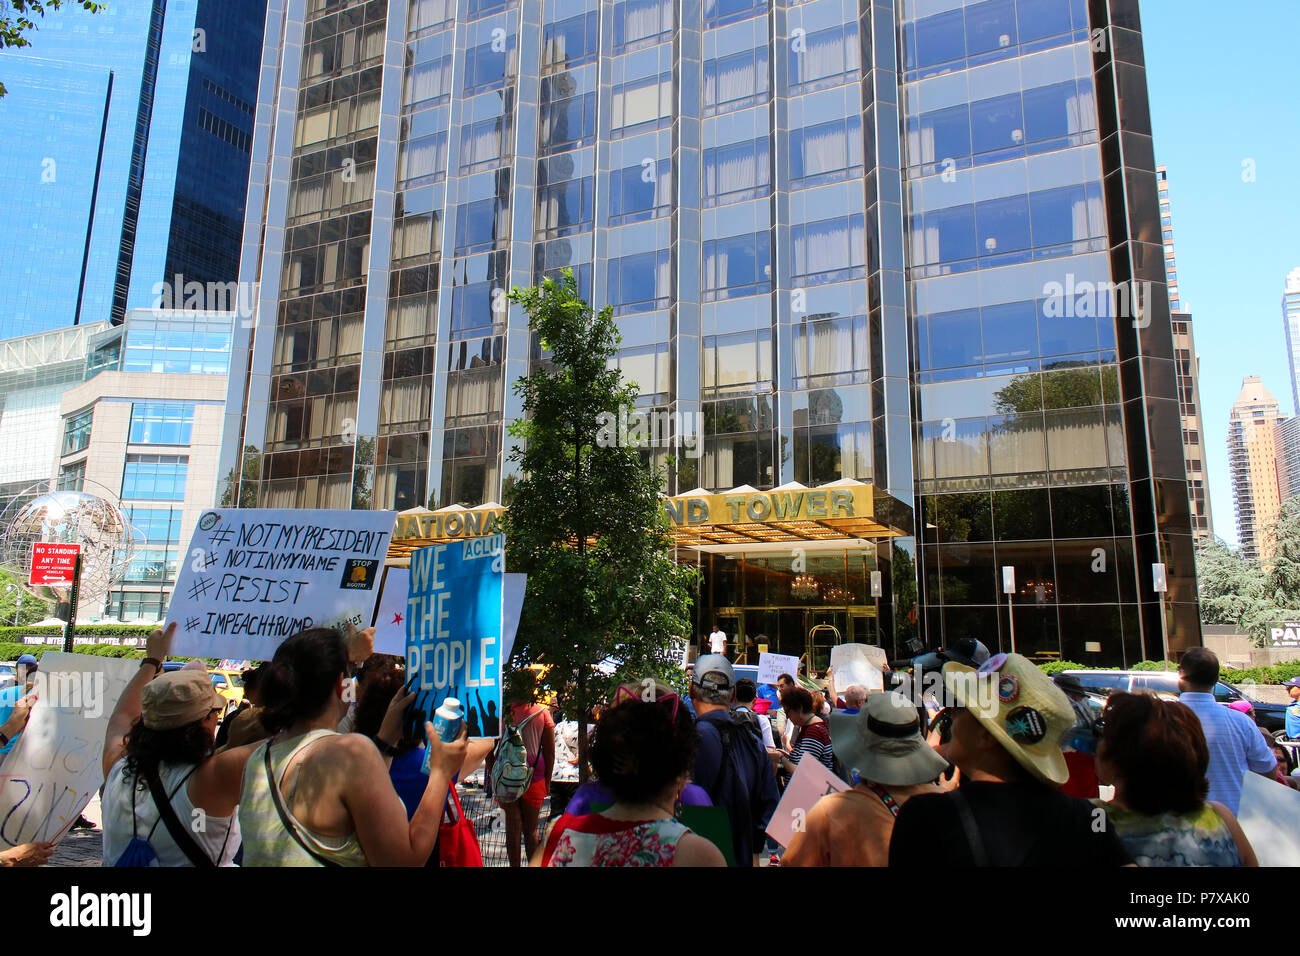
(53, 564)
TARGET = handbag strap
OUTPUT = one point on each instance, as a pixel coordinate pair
(182, 837)
(284, 817)
(979, 855)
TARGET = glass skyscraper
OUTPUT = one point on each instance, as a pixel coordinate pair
(910, 243)
(125, 157)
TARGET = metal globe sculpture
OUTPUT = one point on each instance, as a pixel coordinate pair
(106, 537)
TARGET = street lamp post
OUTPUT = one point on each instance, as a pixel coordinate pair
(1009, 589)
(1160, 584)
(877, 589)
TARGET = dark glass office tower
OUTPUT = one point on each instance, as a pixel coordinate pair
(877, 241)
(125, 157)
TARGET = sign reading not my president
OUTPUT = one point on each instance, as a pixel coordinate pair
(254, 576)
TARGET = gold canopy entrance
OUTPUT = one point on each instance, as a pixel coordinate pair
(842, 511)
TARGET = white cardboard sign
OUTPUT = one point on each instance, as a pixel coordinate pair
(810, 782)
(57, 764)
(772, 666)
(858, 664)
(1268, 813)
(254, 576)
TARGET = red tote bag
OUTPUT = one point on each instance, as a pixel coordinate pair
(457, 842)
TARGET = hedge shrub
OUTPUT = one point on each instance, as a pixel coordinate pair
(11, 652)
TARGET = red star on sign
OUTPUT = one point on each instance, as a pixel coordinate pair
(397, 618)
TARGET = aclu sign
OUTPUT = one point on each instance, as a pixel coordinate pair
(1285, 635)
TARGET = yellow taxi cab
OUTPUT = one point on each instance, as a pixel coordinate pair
(229, 684)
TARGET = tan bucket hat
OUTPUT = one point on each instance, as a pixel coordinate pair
(1020, 706)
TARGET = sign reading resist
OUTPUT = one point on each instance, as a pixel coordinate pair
(254, 576)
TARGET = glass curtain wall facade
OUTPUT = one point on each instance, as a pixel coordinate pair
(825, 229)
(144, 174)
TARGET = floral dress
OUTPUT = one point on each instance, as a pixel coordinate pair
(596, 840)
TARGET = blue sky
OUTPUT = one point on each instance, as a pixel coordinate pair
(1224, 83)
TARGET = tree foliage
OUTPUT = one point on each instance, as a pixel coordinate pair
(31, 610)
(1240, 592)
(586, 522)
(16, 20)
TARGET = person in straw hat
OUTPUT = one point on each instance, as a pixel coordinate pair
(883, 748)
(1008, 721)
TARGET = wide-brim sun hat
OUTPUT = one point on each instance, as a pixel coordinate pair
(884, 743)
(1021, 707)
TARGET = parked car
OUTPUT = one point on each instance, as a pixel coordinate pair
(1272, 717)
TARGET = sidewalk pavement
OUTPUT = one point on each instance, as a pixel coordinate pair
(82, 847)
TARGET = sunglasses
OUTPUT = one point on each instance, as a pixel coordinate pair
(943, 724)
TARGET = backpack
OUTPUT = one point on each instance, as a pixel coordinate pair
(511, 772)
(737, 732)
(744, 717)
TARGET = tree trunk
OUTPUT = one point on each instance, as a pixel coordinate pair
(582, 726)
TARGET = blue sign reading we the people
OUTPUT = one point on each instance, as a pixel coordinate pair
(453, 630)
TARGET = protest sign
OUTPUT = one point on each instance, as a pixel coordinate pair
(454, 628)
(810, 782)
(390, 612)
(1267, 814)
(772, 666)
(858, 664)
(56, 765)
(254, 576)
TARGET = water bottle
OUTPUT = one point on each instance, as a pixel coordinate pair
(447, 722)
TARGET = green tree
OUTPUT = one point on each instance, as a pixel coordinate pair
(245, 485)
(586, 522)
(31, 610)
(1284, 563)
(1237, 591)
(16, 20)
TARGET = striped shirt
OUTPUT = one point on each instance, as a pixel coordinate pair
(266, 841)
(814, 740)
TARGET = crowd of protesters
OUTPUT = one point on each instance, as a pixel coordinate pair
(330, 761)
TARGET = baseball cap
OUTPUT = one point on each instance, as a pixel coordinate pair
(966, 651)
(1293, 682)
(28, 660)
(178, 698)
(713, 672)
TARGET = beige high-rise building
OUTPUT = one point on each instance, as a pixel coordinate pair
(1187, 369)
(1253, 433)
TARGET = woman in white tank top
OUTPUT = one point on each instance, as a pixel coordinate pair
(163, 728)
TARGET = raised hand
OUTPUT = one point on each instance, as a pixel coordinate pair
(159, 644)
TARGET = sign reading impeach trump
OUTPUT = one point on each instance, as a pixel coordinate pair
(254, 576)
